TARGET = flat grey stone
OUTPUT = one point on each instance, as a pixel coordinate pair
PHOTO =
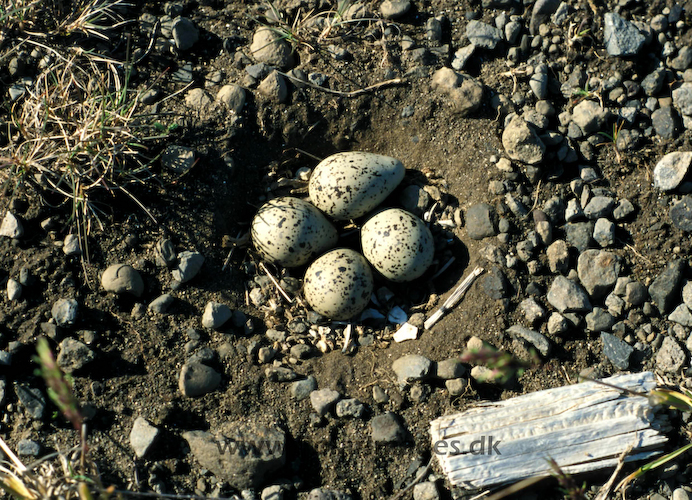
(623, 210)
(74, 355)
(426, 491)
(28, 448)
(411, 367)
(670, 170)
(122, 278)
(387, 429)
(178, 159)
(598, 271)
(653, 82)
(483, 35)
(567, 296)
(532, 310)
(11, 226)
(185, 33)
(599, 320)
(244, 454)
(589, 116)
(599, 206)
(233, 96)
(323, 400)
(621, 37)
(64, 312)
(495, 284)
(274, 87)
(301, 389)
(670, 357)
(189, 265)
(162, 303)
(557, 324)
(197, 379)
(350, 408)
(394, 9)
(683, 60)
(215, 315)
(465, 94)
(681, 214)
(666, 122)
(579, 234)
(558, 257)
(143, 436)
(269, 47)
(450, 369)
(534, 338)
(604, 232)
(462, 56)
(664, 289)
(32, 399)
(521, 142)
(636, 293)
(682, 98)
(198, 99)
(681, 315)
(480, 221)
(617, 351)
(71, 246)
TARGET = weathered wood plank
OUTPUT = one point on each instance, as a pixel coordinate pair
(583, 427)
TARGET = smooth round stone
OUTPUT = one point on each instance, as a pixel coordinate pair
(393, 9)
(197, 379)
(122, 278)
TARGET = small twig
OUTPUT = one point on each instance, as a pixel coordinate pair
(353, 93)
(276, 283)
(453, 299)
(535, 200)
(604, 491)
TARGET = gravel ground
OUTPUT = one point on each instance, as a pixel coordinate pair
(548, 142)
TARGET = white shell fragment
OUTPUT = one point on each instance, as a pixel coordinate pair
(398, 244)
(406, 332)
(583, 427)
(338, 284)
(291, 232)
(348, 185)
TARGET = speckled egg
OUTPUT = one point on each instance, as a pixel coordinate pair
(398, 244)
(291, 232)
(338, 284)
(349, 185)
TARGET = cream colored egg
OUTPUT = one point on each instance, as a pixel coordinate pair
(338, 284)
(291, 232)
(348, 185)
(397, 244)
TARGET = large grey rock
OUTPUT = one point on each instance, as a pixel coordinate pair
(197, 379)
(121, 278)
(671, 356)
(682, 98)
(269, 47)
(64, 312)
(189, 265)
(599, 206)
(450, 369)
(74, 355)
(215, 315)
(143, 436)
(621, 37)
(185, 33)
(483, 35)
(664, 289)
(567, 296)
(558, 257)
(233, 96)
(599, 320)
(323, 400)
(540, 13)
(590, 116)
(670, 171)
(32, 399)
(522, 143)
(411, 367)
(598, 271)
(11, 226)
(243, 454)
(616, 350)
(579, 234)
(666, 122)
(464, 92)
(274, 87)
(681, 214)
(532, 337)
(480, 221)
(302, 389)
(387, 428)
(681, 315)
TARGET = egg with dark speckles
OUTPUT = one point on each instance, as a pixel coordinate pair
(350, 184)
(338, 284)
(291, 232)
(397, 244)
